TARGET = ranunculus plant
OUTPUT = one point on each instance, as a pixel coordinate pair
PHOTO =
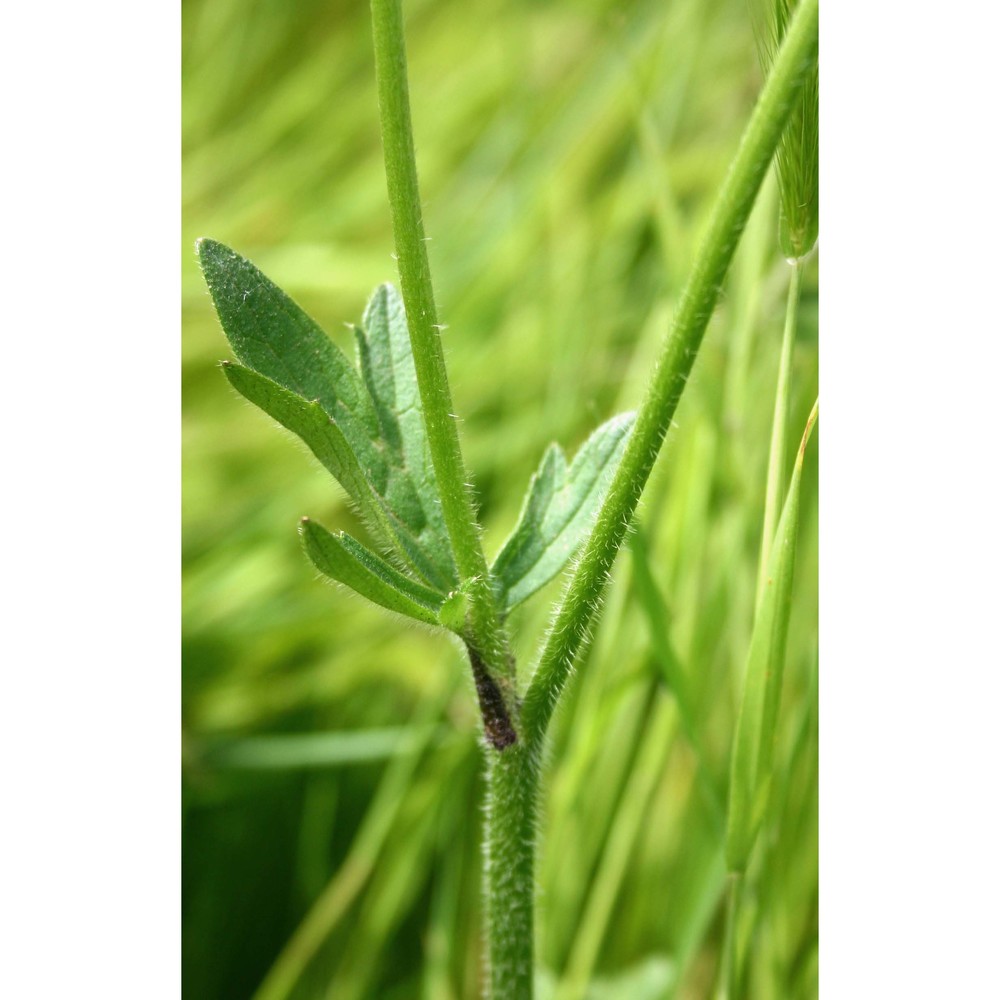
(383, 424)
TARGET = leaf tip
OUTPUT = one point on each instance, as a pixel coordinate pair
(203, 246)
(380, 302)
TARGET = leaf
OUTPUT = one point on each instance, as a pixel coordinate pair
(558, 511)
(347, 561)
(753, 748)
(312, 424)
(272, 335)
(386, 360)
(377, 414)
(327, 442)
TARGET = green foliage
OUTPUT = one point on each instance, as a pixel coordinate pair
(564, 195)
(676, 357)
(373, 438)
(347, 561)
(753, 747)
(366, 426)
(558, 512)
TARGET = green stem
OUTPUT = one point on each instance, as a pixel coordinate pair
(729, 969)
(510, 881)
(795, 58)
(774, 496)
(486, 632)
(512, 773)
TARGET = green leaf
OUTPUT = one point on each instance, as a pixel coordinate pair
(386, 360)
(347, 561)
(377, 414)
(753, 749)
(313, 425)
(272, 335)
(558, 511)
(327, 442)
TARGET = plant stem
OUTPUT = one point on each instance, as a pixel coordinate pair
(514, 773)
(794, 60)
(774, 496)
(512, 766)
(510, 880)
(728, 984)
(487, 634)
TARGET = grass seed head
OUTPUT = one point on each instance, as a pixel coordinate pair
(797, 158)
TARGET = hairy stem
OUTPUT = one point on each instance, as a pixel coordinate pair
(774, 496)
(486, 632)
(510, 879)
(512, 768)
(794, 60)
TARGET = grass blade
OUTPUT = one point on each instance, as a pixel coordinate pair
(303, 751)
(754, 745)
(672, 671)
(329, 909)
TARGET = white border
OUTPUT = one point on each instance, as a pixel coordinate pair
(909, 502)
(91, 513)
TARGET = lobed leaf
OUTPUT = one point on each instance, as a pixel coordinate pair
(272, 335)
(347, 561)
(326, 441)
(377, 448)
(310, 422)
(753, 748)
(558, 511)
(386, 361)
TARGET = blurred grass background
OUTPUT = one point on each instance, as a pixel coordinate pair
(569, 153)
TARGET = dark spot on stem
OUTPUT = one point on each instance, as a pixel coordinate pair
(496, 719)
